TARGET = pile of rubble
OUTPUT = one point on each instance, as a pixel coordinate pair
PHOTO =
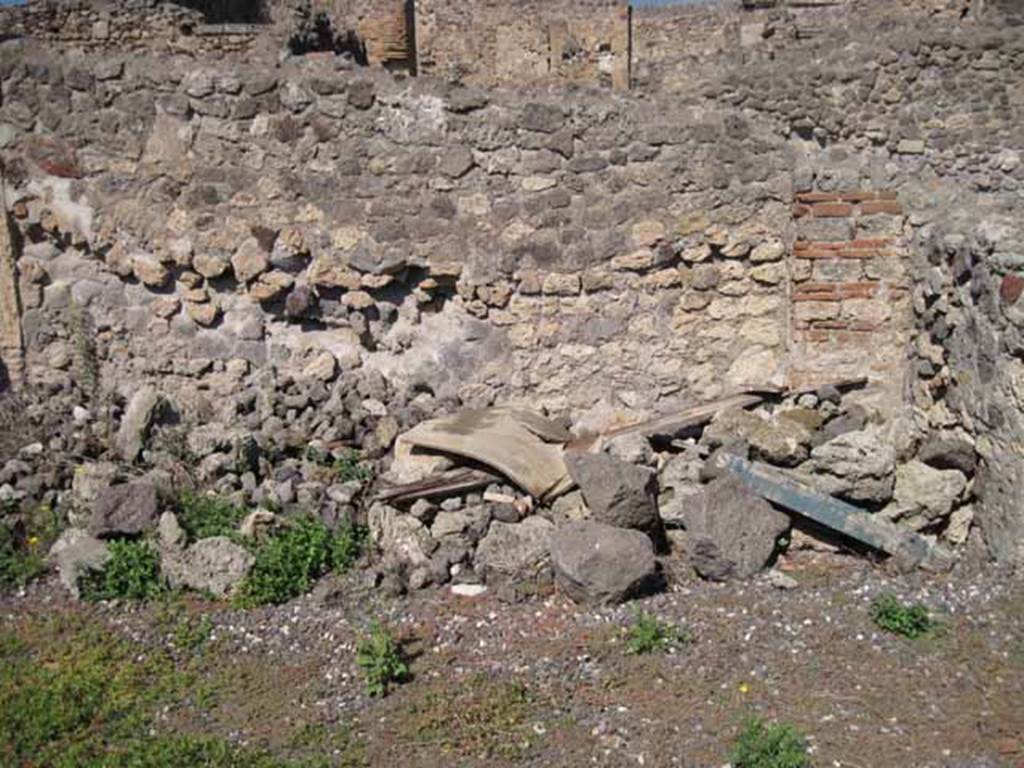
(496, 494)
(599, 511)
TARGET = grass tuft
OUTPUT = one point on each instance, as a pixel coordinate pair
(769, 745)
(647, 634)
(131, 573)
(379, 656)
(202, 516)
(910, 621)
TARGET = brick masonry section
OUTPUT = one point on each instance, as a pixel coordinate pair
(849, 289)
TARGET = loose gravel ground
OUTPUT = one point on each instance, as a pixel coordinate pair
(525, 677)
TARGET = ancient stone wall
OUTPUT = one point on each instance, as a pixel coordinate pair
(501, 42)
(765, 219)
(134, 24)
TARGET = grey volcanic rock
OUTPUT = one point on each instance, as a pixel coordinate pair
(136, 423)
(75, 553)
(731, 531)
(618, 493)
(515, 548)
(598, 563)
(216, 565)
(126, 509)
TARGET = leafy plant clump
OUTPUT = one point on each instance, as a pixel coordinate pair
(202, 516)
(347, 545)
(20, 562)
(347, 467)
(647, 634)
(350, 466)
(287, 565)
(769, 745)
(131, 573)
(910, 621)
(380, 658)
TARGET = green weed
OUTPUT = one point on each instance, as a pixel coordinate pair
(23, 546)
(131, 573)
(350, 466)
(769, 745)
(288, 564)
(347, 545)
(380, 658)
(202, 516)
(910, 621)
(186, 631)
(20, 561)
(647, 634)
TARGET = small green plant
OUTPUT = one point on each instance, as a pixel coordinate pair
(347, 467)
(186, 631)
(24, 544)
(347, 545)
(380, 658)
(350, 466)
(20, 561)
(647, 634)
(131, 573)
(287, 565)
(769, 745)
(202, 516)
(910, 621)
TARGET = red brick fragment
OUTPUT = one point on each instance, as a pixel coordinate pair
(832, 210)
(1011, 288)
(817, 197)
(892, 207)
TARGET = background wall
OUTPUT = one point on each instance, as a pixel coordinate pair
(801, 208)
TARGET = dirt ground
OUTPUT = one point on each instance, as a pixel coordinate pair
(525, 677)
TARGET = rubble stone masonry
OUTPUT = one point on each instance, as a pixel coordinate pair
(765, 211)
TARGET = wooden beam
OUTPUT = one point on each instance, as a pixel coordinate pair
(783, 489)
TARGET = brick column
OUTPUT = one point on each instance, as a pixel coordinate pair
(850, 314)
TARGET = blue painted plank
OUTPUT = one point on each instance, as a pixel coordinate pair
(786, 491)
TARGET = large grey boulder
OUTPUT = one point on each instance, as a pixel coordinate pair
(124, 510)
(216, 565)
(618, 493)
(515, 549)
(75, 553)
(137, 420)
(598, 563)
(859, 466)
(731, 531)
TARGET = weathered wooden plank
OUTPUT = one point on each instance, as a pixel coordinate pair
(783, 489)
(685, 419)
(445, 484)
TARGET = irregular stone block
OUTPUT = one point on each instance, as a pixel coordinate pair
(124, 510)
(597, 563)
(731, 531)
